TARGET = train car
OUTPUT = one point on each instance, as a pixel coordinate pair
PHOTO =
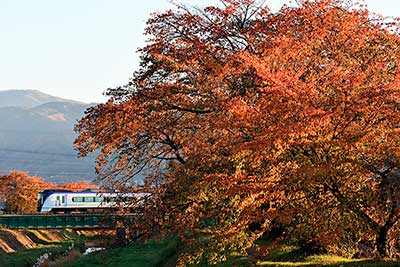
(56, 200)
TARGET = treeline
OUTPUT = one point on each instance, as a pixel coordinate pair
(19, 191)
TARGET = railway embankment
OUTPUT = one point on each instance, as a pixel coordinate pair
(13, 240)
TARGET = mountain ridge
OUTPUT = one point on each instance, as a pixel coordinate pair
(28, 98)
(38, 137)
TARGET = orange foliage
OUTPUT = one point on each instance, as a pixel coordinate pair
(19, 191)
(242, 120)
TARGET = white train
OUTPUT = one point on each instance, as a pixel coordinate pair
(56, 200)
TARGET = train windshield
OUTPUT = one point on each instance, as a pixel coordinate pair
(43, 195)
(40, 201)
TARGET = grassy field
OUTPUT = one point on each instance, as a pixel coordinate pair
(329, 261)
(313, 261)
(162, 254)
(292, 256)
(139, 255)
(27, 257)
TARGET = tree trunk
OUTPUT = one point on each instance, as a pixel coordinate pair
(381, 241)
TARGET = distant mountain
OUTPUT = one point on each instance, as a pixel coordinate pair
(39, 138)
(28, 98)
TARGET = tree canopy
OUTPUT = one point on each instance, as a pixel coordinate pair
(242, 120)
(19, 191)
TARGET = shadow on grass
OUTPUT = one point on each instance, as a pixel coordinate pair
(38, 240)
(286, 254)
(293, 256)
(349, 263)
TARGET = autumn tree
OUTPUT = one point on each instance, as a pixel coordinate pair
(241, 119)
(20, 191)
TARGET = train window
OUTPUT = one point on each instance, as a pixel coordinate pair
(77, 199)
(63, 199)
(98, 199)
(88, 199)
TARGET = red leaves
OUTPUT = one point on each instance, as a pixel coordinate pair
(19, 191)
(249, 117)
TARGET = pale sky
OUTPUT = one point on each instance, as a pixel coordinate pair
(76, 49)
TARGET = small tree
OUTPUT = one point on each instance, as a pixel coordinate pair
(20, 191)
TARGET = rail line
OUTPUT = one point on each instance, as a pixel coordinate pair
(35, 221)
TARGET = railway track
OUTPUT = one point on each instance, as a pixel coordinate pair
(34, 221)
